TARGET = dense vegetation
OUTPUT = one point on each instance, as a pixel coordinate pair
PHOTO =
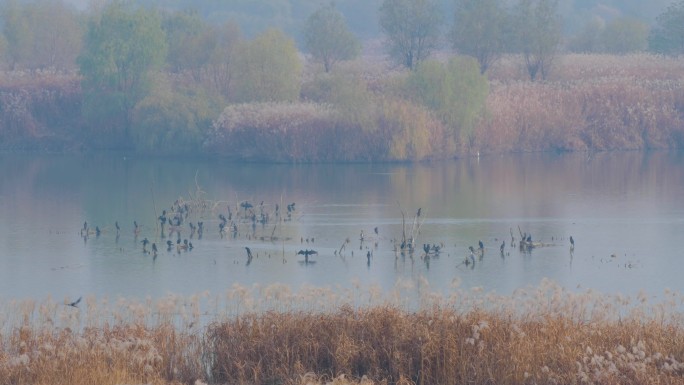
(272, 335)
(121, 76)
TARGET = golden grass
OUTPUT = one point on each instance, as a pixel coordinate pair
(272, 335)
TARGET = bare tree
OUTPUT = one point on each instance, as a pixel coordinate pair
(412, 28)
(538, 32)
(478, 30)
(328, 38)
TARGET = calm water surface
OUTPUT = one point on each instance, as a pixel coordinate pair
(624, 210)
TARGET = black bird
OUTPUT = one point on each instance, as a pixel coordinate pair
(572, 242)
(306, 254)
(75, 303)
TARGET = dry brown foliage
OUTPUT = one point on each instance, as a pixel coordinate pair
(593, 102)
(543, 335)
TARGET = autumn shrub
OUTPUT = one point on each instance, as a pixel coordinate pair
(39, 117)
(290, 132)
(347, 91)
(455, 91)
(173, 118)
(414, 132)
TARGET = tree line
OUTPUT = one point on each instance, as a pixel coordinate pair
(156, 78)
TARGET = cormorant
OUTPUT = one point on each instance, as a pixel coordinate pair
(306, 254)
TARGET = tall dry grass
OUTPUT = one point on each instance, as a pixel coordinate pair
(592, 102)
(272, 335)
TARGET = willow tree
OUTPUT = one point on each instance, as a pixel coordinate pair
(412, 29)
(267, 69)
(123, 47)
(328, 38)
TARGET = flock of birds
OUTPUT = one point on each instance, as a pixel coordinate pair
(173, 223)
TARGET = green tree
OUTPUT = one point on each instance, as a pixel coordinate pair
(328, 38)
(667, 36)
(538, 34)
(456, 91)
(412, 29)
(122, 49)
(624, 35)
(478, 30)
(267, 69)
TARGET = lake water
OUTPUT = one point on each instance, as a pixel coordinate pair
(625, 212)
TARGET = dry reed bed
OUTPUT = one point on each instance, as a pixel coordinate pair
(271, 335)
(604, 115)
(591, 102)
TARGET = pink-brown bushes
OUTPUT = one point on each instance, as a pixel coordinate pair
(284, 132)
(591, 102)
(608, 115)
(310, 132)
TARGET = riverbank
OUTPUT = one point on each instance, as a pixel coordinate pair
(589, 103)
(544, 334)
